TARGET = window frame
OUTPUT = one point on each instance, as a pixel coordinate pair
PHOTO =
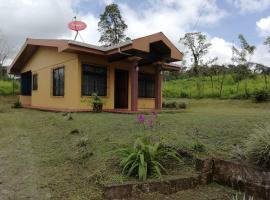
(145, 87)
(106, 68)
(53, 83)
(35, 82)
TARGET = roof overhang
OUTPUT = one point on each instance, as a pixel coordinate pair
(152, 48)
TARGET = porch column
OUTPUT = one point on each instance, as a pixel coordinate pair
(134, 82)
(158, 97)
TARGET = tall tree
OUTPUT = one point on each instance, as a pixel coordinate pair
(198, 46)
(265, 71)
(4, 49)
(243, 57)
(112, 26)
(267, 42)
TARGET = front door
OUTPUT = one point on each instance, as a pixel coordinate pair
(121, 89)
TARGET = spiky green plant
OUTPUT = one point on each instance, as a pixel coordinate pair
(258, 147)
(146, 159)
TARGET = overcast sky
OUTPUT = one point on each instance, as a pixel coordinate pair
(221, 20)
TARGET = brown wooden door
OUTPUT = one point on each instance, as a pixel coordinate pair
(121, 89)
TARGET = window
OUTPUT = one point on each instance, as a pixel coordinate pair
(146, 85)
(58, 81)
(94, 80)
(35, 82)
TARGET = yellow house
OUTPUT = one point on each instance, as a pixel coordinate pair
(58, 74)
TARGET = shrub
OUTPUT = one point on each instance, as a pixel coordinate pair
(17, 104)
(258, 147)
(261, 95)
(184, 94)
(181, 105)
(145, 159)
(174, 105)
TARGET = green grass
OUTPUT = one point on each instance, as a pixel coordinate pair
(39, 156)
(187, 87)
(6, 87)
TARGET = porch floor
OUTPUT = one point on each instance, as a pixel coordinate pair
(122, 111)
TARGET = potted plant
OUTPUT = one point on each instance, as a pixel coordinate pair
(97, 103)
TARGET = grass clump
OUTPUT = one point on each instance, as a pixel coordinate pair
(146, 159)
(258, 147)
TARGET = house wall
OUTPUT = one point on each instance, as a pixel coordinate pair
(42, 63)
(46, 59)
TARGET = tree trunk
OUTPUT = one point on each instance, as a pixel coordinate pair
(246, 90)
(221, 85)
(211, 77)
(265, 81)
(237, 87)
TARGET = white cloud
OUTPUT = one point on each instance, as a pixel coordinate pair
(250, 5)
(173, 17)
(221, 49)
(262, 55)
(263, 26)
(20, 19)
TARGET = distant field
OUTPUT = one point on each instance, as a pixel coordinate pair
(188, 87)
(41, 159)
(6, 87)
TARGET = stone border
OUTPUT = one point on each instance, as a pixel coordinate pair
(251, 180)
(167, 186)
(254, 181)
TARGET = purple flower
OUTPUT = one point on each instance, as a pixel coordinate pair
(141, 118)
(154, 113)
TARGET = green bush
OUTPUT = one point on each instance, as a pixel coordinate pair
(261, 95)
(258, 147)
(174, 105)
(17, 104)
(145, 159)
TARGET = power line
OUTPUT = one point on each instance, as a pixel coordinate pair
(202, 6)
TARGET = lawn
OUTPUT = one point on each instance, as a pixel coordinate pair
(41, 159)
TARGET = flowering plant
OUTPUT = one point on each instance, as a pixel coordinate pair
(148, 122)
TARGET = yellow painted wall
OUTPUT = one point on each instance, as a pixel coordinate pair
(25, 100)
(42, 63)
(46, 59)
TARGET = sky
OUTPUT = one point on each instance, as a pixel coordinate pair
(221, 20)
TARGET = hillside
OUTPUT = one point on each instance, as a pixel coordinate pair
(202, 87)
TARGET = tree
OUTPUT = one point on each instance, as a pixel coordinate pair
(112, 26)
(265, 71)
(4, 49)
(267, 42)
(198, 46)
(243, 57)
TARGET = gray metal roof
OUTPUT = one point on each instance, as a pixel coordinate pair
(100, 48)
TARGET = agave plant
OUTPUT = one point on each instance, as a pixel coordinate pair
(146, 159)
